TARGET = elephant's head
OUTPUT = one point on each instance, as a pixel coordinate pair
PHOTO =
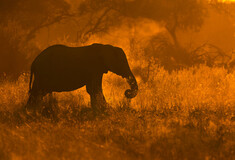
(115, 61)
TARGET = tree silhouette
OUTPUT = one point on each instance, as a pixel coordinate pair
(20, 21)
(172, 14)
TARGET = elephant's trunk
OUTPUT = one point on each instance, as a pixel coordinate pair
(131, 93)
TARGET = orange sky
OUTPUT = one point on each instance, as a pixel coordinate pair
(228, 0)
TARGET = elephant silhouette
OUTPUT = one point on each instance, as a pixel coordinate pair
(61, 68)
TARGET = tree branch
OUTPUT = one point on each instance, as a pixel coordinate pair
(43, 24)
(97, 24)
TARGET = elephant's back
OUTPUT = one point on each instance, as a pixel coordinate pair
(60, 60)
(52, 52)
(56, 55)
(61, 52)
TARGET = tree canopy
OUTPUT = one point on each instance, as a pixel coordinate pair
(172, 14)
(20, 21)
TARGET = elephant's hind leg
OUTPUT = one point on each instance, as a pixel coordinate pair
(94, 88)
(50, 108)
(35, 95)
(34, 101)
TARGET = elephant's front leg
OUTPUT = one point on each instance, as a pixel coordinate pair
(98, 101)
(94, 88)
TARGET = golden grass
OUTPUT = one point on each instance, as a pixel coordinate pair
(189, 114)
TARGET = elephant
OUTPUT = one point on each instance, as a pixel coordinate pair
(60, 68)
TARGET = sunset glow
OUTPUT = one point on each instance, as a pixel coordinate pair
(228, 1)
(117, 79)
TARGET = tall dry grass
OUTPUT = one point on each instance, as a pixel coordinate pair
(188, 114)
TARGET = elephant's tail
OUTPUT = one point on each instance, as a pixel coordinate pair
(30, 81)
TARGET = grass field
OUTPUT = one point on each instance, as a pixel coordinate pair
(189, 114)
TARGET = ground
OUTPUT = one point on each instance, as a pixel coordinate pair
(189, 114)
